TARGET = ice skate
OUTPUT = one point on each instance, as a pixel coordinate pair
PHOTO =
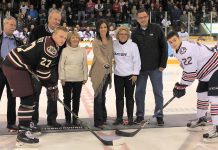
(211, 136)
(25, 138)
(197, 124)
(35, 129)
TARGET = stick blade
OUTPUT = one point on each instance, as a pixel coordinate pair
(127, 134)
(108, 143)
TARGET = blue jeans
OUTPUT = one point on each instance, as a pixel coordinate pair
(157, 84)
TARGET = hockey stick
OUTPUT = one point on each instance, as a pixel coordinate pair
(131, 134)
(84, 124)
(105, 142)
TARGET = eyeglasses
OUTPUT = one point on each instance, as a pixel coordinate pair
(123, 34)
(144, 17)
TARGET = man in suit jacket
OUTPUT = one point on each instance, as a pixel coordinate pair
(7, 42)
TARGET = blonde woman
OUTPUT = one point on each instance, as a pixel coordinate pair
(73, 73)
(126, 69)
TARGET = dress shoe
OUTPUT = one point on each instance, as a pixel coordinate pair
(118, 122)
(54, 124)
(160, 121)
(76, 123)
(100, 126)
(139, 120)
(12, 127)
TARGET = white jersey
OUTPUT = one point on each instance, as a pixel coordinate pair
(197, 60)
(184, 36)
(127, 58)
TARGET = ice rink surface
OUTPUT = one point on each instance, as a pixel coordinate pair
(170, 138)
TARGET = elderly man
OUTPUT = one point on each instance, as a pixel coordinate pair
(7, 42)
(54, 19)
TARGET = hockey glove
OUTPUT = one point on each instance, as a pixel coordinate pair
(52, 93)
(106, 66)
(179, 90)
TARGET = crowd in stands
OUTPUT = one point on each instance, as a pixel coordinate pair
(81, 15)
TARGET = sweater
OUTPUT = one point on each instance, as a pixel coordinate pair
(103, 54)
(73, 64)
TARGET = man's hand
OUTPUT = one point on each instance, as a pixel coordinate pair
(161, 69)
(133, 78)
(179, 90)
(52, 93)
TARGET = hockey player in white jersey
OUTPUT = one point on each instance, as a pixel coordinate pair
(198, 62)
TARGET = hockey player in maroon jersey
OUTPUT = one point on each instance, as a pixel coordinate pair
(39, 59)
(198, 62)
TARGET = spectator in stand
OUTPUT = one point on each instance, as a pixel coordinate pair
(160, 15)
(100, 15)
(126, 12)
(24, 35)
(112, 32)
(43, 15)
(183, 34)
(63, 13)
(109, 16)
(23, 8)
(10, 11)
(99, 7)
(214, 14)
(116, 8)
(90, 7)
(81, 11)
(69, 11)
(54, 7)
(88, 34)
(33, 13)
(30, 21)
(153, 13)
(184, 18)
(20, 22)
(91, 20)
(70, 21)
(176, 13)
(133, 15)
(108, 5)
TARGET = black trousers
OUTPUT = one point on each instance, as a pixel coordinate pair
(72, 91)
(123, 84)
(100, 111)
(11, 107)
(52, 112)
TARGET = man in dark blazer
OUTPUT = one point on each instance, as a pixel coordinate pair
(7, 42)
(54, 19)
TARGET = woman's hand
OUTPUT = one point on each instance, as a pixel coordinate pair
(84, 82)
(133, 78)
(63, 82)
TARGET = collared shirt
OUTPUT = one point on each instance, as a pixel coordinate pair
(8, 43)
